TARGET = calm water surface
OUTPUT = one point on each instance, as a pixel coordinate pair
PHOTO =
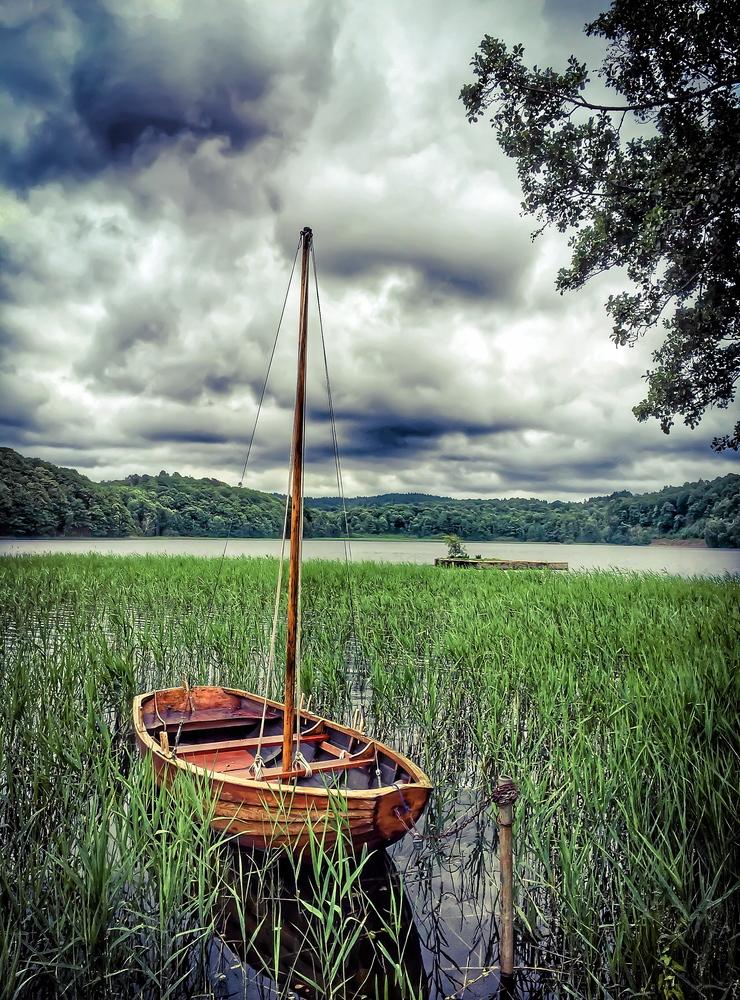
(677, 560)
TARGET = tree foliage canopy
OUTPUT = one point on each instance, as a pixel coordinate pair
(649, 181)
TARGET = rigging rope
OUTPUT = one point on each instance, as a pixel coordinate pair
(258, 763)
(337, 463)
(254, 431)
(505, 793)
(257, 766)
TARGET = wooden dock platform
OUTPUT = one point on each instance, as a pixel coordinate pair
(458, 563)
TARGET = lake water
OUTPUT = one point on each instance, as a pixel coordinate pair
(677, 560)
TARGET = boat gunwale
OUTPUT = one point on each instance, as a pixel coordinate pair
(420, 781)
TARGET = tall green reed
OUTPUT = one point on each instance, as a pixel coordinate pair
(613, 700)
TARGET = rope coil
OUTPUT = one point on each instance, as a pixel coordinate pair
(505, 793)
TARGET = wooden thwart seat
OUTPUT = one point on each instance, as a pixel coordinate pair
(205, 718)
(246, 743)
(359, 760)
(220, 766)
(195, 724)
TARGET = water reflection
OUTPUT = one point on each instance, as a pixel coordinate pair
(453, 885)
(338, 928)
(421, 921)
(417, 922)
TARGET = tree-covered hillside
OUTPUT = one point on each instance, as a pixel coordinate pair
(38, 498)
(383, 500)
(179, 505)
(702, 510)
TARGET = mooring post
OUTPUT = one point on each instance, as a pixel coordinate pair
(505, 795)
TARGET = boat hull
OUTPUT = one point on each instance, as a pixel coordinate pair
(278, 811)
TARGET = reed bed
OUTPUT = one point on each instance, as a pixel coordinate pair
(612, 700)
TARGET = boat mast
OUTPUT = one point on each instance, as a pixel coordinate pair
(296, 511)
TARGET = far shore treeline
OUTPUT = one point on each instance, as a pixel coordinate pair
(41, 499)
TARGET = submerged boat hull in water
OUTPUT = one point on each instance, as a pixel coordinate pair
(352, 785)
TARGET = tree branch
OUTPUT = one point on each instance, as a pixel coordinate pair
(580, 102)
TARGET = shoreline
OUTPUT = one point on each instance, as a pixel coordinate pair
(681, 543)
(684, 543)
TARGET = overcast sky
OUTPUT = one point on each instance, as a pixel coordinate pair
(158, 159)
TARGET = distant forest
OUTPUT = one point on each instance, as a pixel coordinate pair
(41, 499)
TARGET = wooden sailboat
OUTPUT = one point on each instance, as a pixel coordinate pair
(276, 772)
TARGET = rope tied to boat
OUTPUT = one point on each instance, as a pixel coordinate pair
(300, 761)
(402, 812)
(177, 737)
(258, 764)
(506, 793)
(189, 693)
(158, 713)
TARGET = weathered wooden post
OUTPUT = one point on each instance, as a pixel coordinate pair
(505, 795)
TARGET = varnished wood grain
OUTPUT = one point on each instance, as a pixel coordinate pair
(292, 638)
(279, 812)
(248, 743)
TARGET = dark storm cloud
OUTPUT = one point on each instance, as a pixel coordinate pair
(8, 341)
(220, 385)
(572, 474)
(392, 434)
(20, 400)
(147, 320)
(440, 271)
(140, 350)
(10, 270)
(196, 435)
(15, 421)
(389, 438)
(93, 84)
